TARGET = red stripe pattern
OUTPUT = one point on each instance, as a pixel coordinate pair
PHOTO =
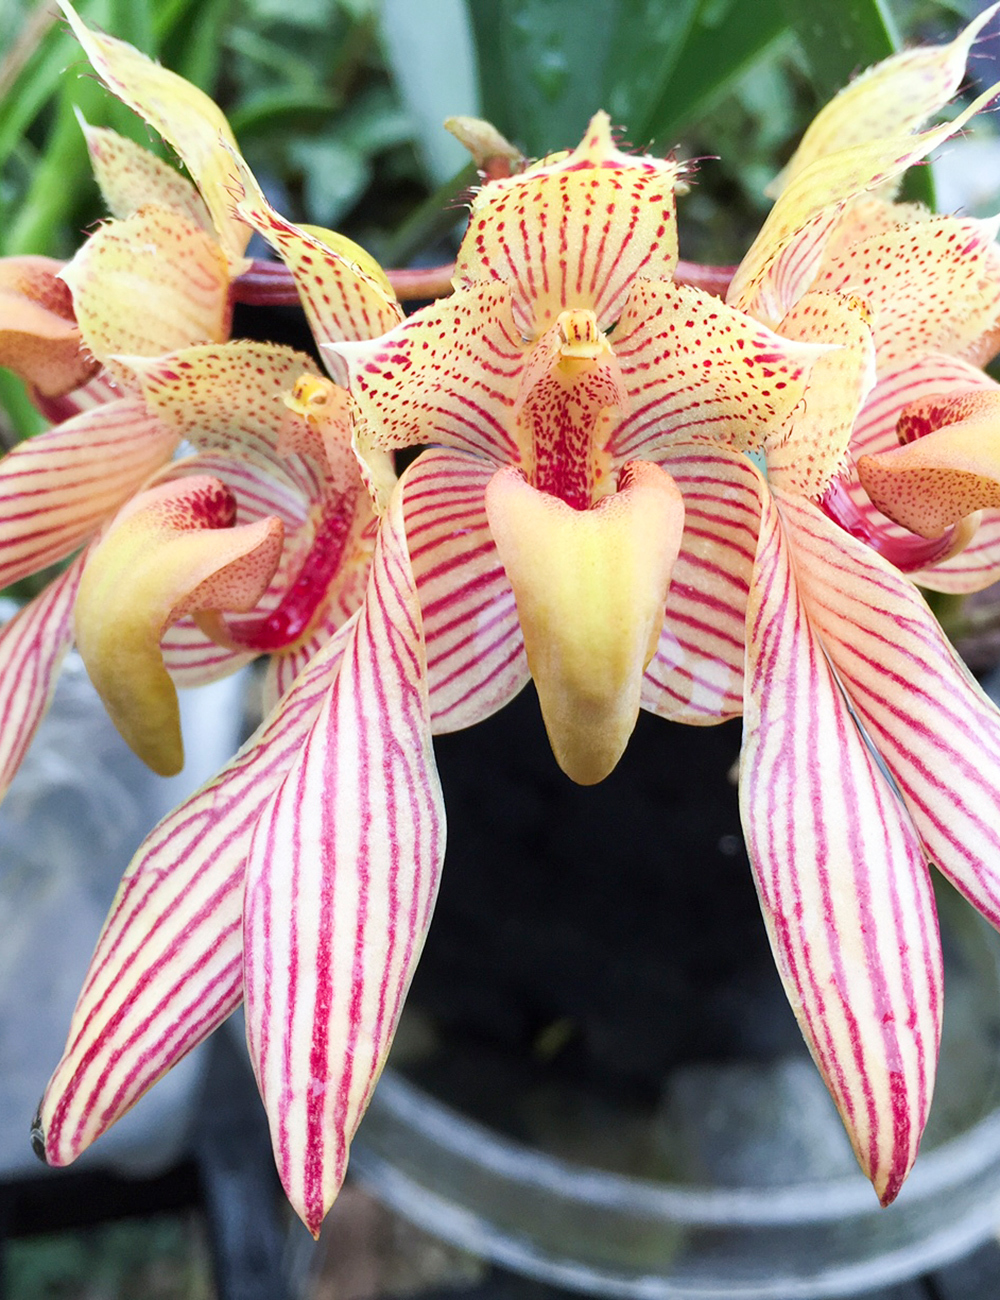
(936, 730)
(341, 882)
(842, 880)
(32, 647)
(58, 488)
(168, 967)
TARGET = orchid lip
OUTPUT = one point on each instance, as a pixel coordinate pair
(908, 554)
(285, 624)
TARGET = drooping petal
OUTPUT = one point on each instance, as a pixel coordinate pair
(193, 659)
(590, 586)
(928, 285)
(343, 291)
(132, 177)
(39, 337)
(172, 551)
(475, 651)
(935, 728)
(697, 369)
(972, 569)
(449, 375)
(168, 967)
(696, 675)
(147, 285)
(812, 446)
(843, 885)
(825, 185)
(340, 887)
(181, 113)
(57, 488)
(574, 233)
(32, 647)
(892, 98)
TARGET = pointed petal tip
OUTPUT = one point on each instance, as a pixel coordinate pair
(38, 1136)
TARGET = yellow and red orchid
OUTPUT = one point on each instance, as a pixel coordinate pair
(644, 497)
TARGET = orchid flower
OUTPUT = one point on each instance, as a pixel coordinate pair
(634, 493)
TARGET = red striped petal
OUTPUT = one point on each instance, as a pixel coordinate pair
(449, 374)
(58, 488)
(935, 728)
(696, 675)
(475, 650)
(32, 647)
(340, 885)
(695, 368)
(574, 232)
(168, 966)
(843, 885)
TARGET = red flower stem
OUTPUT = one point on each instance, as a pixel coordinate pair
(270, 284)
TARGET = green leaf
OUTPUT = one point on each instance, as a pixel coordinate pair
(724, 40)
(841, 38)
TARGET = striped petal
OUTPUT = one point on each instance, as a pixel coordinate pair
(475, 650)
(131, 177)
(343, 290)
(936, 730)
(341, 883)
(168, 967)
(695, 368)
(172, 551)
(842, 881)
(575, 232)
(696, 675)
(185, 117)
(825, 185)
(57, 488)
(590, 587)
(32, 647)
(892, 98)
(449, 374)
(147, 285)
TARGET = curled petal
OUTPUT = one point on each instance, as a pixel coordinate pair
(842, 881)
(825, 185)
(168, 967)
(39, 337)
(132, 177)
(812, 447)
(341, 883)
(343, 290)
(590, 586)
(893, 97)
(57, 489)
(147, 285)
(697, 369)
(180, 112)
(173, 551)
(32, 647)
(574, 232)
(928, 485)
